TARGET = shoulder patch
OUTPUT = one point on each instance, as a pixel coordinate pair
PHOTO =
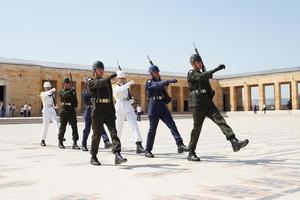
(89, 79)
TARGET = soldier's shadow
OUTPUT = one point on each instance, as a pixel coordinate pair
(154, 166)
(262, 161)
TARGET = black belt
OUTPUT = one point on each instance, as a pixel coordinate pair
(157, 98)
(201, 91)
(66, 104)
(102, 100)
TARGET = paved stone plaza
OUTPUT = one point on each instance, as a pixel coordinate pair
(268, 168)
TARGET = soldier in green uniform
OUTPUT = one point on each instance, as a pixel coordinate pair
(69, 104)
(201, 102)
(103, 112)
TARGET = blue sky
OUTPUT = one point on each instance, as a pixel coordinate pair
(245, 35)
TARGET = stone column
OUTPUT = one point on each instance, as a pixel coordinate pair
(181, 99)
(277, 96)
(169, 89)
(247, 99)
(261, 89)
(294, 94)
(232, 99)
(143, 98)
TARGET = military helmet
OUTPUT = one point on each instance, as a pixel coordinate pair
(121, 74)
(67, 80)
(97, 64)
(153, 68)
(195, 57)
(47, 84)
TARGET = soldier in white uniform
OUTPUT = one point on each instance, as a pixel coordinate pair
(48, 111)
(124, 109)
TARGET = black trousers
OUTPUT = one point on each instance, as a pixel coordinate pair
(99, 118)
(199, 114)
(68, 116)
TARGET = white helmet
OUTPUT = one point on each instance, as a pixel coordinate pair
(47, 84)
(121, 74)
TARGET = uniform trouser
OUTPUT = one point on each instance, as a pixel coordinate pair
(65, 117)
(199, 114)
(87, 128)
(131, 119)
(49, 115)
(98, 120)
(166, 117)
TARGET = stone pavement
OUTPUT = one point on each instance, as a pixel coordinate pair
(269, 168)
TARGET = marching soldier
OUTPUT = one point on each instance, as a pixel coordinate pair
(201, 102)
(157, 110)
(69, 104)
(103, 112)
(88, 122)
(49, 113)
(124, 109)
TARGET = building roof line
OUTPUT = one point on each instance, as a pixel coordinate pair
(71, 66)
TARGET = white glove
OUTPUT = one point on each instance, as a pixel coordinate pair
(131, 82)
(53, 90)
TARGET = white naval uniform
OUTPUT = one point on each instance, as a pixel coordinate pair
(48, 112)
(124, 110)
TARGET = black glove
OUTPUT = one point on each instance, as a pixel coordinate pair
(172, 81)
(114, 75)
(222, 66)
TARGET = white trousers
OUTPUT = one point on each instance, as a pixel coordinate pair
(48, 115)
(131, 119)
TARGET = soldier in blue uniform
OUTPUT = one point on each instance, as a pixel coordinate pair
(86, 95)
(157, 110)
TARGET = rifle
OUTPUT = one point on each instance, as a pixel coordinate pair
(167, 98)
(197, 52)
(119, 67)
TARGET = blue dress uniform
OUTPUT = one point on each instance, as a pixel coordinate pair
(86, 95)
(157, 110)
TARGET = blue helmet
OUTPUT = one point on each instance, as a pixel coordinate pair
(153, 68)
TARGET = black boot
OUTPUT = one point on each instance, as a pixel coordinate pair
(182, 148)
(139, 148)
(95, 161)
(75, 146)
(238, 144)
(148, 154)
(43, 144)
(84, 147)
(119, 159)
(193, 157)
(61, 145)
(107, 144)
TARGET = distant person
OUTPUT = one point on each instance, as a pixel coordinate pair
(2, 109)
(13, 109)
(8, 110)
(139, 111)
(25, 106)
(22, 111)
(29, 110)
(255, 109)
(289, 105)
(264, 109)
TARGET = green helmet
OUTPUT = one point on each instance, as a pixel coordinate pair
(67, 80)
(194, 58)
(97, 64)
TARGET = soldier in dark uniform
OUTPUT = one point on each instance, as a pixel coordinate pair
(103, 112)
(157, 110)
(201, 102)
(86, 95)
(69, 104)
